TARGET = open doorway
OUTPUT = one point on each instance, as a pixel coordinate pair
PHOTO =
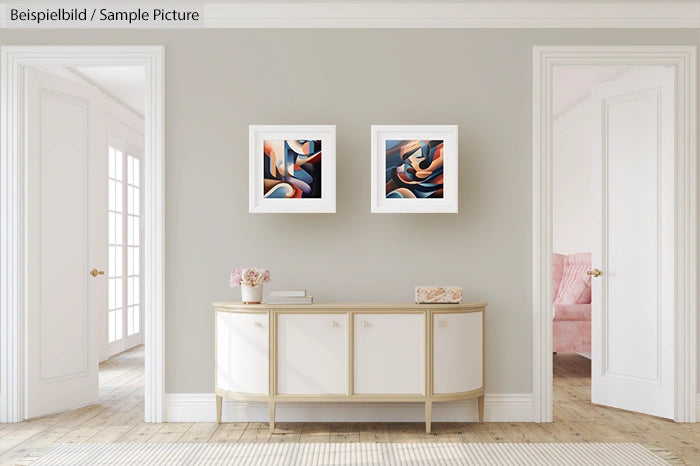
(95, 188)
(572, 228)
(613, 234)
(643, 229)
(85, 143)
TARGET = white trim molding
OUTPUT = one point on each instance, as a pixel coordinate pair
(458, 14)
(201, 407)
(683, 58)
(14, 60)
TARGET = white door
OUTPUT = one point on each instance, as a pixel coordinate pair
(389, 353)
(633, 244)
(312, 354)
(66, 231)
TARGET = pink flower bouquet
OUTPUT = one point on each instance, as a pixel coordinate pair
(249, 277)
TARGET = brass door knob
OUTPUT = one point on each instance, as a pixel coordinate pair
(595, 273)
(95, 272)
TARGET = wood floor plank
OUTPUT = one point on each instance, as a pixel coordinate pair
(256, 432)
(344, 437)
(345, 432)
(228, 432)
(141, 432)
(519, 433)
(447, 431)
(374, 432)
(315, 432)
(286, 432)
(109, 434)
(200, 432)
(403, 432)
(170, 432)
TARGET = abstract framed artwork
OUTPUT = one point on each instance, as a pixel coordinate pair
(292, 169)
(414, 169)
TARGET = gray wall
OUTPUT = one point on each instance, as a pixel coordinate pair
(220, 81)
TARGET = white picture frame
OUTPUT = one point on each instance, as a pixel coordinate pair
(383, 201)
(271, 196)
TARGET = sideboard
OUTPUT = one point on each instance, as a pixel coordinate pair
(352, 352)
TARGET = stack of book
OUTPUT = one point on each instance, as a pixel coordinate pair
(288, 297)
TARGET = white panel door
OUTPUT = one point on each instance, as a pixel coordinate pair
(633, 215)
(312, 353)
(457, 352)
(66, 231)
(389, 353)
(242, 352)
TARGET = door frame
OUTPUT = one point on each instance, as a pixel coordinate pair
(14, 61)
(683, 58)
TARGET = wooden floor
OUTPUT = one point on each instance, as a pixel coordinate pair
(119, 418)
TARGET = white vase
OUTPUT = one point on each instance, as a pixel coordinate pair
(251, 294)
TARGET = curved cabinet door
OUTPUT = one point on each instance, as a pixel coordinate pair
(457, 352)
(389, 353)
(311, 354)
(242, 352)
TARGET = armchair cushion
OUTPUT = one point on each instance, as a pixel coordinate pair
(572, 311)
(575, 286)
(557, 272)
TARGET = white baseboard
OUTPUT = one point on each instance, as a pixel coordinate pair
(697, 407)
(201, 407)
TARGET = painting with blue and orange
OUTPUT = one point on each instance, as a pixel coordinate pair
(414, 169)
(292, 169)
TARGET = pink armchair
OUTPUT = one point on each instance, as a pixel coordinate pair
(571, 288)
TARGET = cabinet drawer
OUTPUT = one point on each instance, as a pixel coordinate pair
(311, 354)
(457, 352)
(242, 352)
(389, 353)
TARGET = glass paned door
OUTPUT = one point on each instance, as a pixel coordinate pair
(125, 271)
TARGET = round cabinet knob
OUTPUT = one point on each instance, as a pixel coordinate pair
(334, 324)
(256, 324)
(443, 323)
(365, 324)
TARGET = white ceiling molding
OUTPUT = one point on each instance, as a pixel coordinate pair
(464, 14)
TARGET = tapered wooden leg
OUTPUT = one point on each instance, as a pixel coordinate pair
(272, 415)
(218, 409)
(428, 415)
(481, 408)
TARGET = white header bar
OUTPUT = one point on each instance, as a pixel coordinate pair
(357, 14)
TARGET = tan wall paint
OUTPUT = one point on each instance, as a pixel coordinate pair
(220, 81)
